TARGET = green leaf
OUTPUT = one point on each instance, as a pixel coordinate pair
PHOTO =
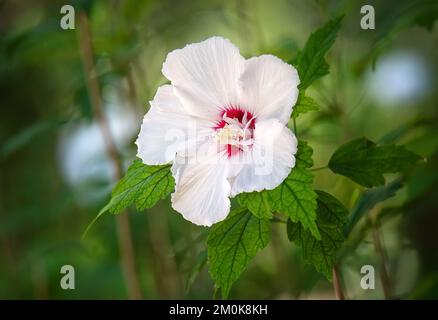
(294, 196)
(142, 185)
(321, 253)
(257, 203)
(368, 200)
(364, 162)
(232, 244)
(304, 104)
(304, 155)
(310, 62)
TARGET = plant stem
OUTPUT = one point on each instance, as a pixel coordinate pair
(123, 227)
(281, 264)
(166, 274)
(165, 270)
(132, 92)
(380, 250)
(278, 220)
(337, 285)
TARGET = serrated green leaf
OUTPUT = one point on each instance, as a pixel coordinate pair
(304, 105)
(364, 162)
(143, 186)
(310, 62)
(304, 155)
(294, 196)
(321, 253)
(232, 244)
(257, 203)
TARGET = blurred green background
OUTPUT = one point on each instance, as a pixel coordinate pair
(55, 174)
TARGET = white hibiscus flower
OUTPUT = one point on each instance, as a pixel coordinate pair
(222, 123)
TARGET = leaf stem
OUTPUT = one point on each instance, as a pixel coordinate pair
(319, 168)
(101, 212)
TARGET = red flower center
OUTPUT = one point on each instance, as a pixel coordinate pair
(235, 131)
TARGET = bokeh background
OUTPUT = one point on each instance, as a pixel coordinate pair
(57, 169)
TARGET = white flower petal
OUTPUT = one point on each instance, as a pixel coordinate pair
(201, 190)
(270, 160)
(167, 129)
(205, 75)
(269, 88)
